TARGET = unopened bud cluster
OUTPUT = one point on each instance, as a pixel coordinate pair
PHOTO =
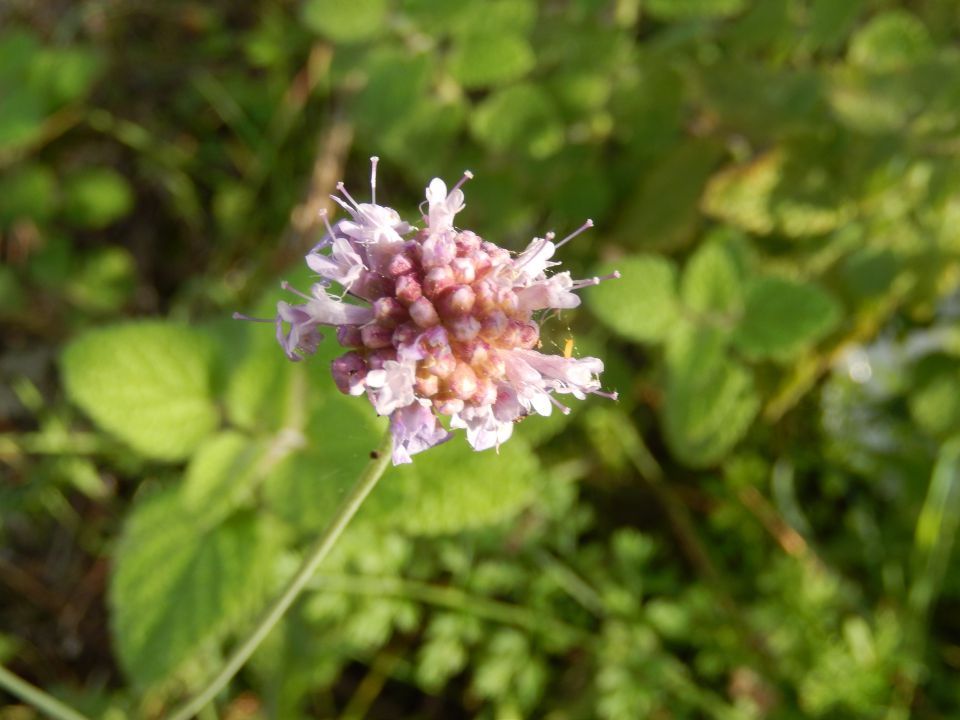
(437, 322)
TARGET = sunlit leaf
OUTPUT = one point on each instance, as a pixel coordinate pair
(146, 383)
(177, 587)
(782, 317)
(642, 304)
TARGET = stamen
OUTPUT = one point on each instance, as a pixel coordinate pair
(343, 188)
(284, 285)
(559, 405)
(241, 316)
(609, 395)
(587, 225)
(467, 175)
(324, 215)
(373, 179)
(587, 282)
(341, 203)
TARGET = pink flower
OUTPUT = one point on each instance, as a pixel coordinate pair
(439, 323)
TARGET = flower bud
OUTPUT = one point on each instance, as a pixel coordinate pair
(438, 250)
(349, 336)
(408, 289)
(423, 313)
(438, 280)
(455, 301)
(464, 328)
(388, 311)
(376, 336)
(348, 373)
(464, 271)
(463, 381)
(493, 325)
(400, 264)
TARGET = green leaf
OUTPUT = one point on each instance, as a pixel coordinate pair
(96, 197)
(740, 195)
(642, 305)
(782, 317)
(306, 488)
(176, 587)
(665, 213)
(712, 281)
(710, 399)
(221, 475)
(452, 488)
(686, 9)
(147, 383)
(830, 21)
(346, 21)
(481, 60)
(104, 280)
(935, 402)
(28, 192)
(521, 117)
(890, 41)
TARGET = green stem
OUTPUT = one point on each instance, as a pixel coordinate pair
(36, 697)
(311, 561)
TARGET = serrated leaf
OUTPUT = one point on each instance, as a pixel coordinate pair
(710, 399)
(485, 59)
(176, 588)
(147, 383)
(782, 317)
(96, 197)
(221, 474)
(345, 21)
(521, 117)
(686, 9)
(641, 305)
(712, 281)
(890, 41)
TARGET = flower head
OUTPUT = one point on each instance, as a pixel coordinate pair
(438, 322)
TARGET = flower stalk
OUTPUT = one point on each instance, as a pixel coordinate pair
(314, 555)
(37, 698)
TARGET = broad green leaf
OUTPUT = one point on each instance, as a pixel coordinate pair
(783, 317)
(831, 21)
(740, 195)
(147, 383)
(664, 214)
(685, 9)
(396, 82)
(521, 117)
(221, 475)
(641, 305)
(306, 487)
(346, 21)
(712, 281)
(96, 197)
(452, 488)
(260, 379)
(710, 399)
(175, 587)
(65, 74)
(481, 60)
(21, 115)
(28, 192)
(104, 281)
(890, 41)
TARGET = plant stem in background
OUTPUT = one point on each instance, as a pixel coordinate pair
(312, 558)
(36, 697)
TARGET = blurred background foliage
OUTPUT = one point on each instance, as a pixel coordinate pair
(761, 527)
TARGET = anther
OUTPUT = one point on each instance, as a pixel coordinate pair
(467, 175)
